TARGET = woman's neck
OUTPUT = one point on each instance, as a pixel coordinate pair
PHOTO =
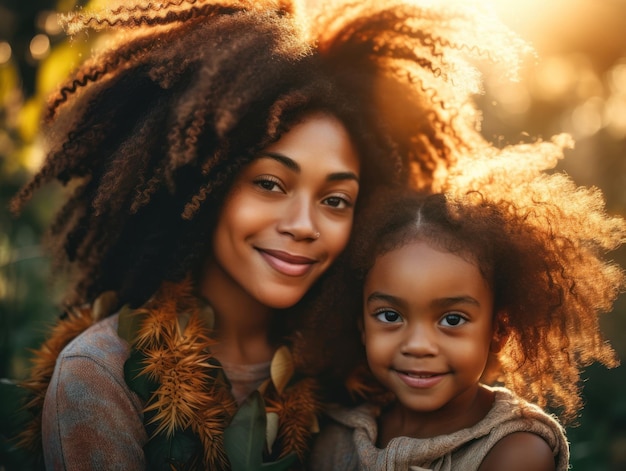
(241, 322)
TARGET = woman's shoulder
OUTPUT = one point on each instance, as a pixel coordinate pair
(100, 343)
(89, 371)
(90, 418)
(97, 352)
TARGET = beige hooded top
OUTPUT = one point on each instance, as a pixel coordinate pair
(348, 442)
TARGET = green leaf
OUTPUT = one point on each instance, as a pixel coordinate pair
(283, 464)
(181, 450)
(245, 436)
(183, 320)
(282, 368)
(272, 430)
(128, 324)
(140, 383)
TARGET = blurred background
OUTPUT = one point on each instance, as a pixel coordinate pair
(577, 85)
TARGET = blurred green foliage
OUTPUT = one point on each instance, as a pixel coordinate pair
(575, 89)
(28, 73)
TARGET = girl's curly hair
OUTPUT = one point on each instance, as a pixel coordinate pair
(541, 248)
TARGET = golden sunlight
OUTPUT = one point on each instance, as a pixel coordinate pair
(581, 64)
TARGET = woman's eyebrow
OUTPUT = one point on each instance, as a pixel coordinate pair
(338, 176)
(295, 167)
(283, 159)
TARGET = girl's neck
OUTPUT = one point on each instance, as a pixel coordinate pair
(464, 412)
(241, 322)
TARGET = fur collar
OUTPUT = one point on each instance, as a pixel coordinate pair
(191, 418)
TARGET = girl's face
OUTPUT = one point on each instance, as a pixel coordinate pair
(427, 329)
(289, 214)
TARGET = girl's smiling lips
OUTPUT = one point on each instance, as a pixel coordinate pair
(286, 263)
(420, 379)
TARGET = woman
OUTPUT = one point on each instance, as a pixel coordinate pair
(215, 153)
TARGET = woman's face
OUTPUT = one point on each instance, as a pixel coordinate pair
(289, 213)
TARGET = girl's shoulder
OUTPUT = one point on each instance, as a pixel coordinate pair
(520, 451)
(518, 432)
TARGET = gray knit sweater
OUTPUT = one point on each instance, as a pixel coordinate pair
(348, 442)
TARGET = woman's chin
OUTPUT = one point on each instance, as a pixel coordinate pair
(281, 298)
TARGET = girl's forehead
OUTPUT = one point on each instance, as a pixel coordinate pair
(420, 272)
(415, 246)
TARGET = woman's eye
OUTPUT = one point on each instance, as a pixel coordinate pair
(338, 202)
(453, 320)
(268, 184)
(388, 316)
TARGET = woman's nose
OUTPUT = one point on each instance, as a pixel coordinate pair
(420, 341)
(298, 219)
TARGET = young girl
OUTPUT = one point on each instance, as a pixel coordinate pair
(473, 311)
(214, 154)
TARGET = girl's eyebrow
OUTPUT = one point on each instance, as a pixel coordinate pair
(454, 300)
(378, 296)
(295, 167)
(441, 302)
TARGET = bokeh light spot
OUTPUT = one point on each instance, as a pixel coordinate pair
(587, 118)
(615, 116)
(5, 52)
(48, 21)
(40, 46)
(554, 78)
(617, 77)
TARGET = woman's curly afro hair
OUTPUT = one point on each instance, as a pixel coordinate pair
(149, 133)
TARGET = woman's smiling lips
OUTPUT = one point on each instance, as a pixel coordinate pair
(286, 263)
(420, 379)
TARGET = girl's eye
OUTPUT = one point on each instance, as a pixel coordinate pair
(453, 320)
(338, 202)
(268, 184)
(388, 316)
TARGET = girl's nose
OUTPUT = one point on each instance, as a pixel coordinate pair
(298, 219)
(420, 341)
